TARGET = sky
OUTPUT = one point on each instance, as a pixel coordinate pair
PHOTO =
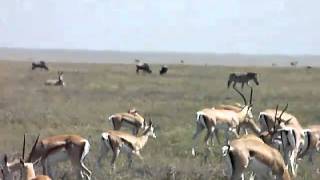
(217, 26)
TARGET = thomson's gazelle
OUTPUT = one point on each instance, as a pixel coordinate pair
(118, 141)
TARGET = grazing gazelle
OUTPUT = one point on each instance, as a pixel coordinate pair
(118, 141)
(27, 170)
(242, 78)
(225, 119)
(250, 152)
(132, 119)
(56, 82)
(285, 133)
(60, 148)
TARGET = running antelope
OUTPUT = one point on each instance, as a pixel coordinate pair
(242, 78)
(225, 119)
(54, 149)
(250, 152)
(56, 82)
(118, 141)
(285, 133)
(27, 170)
(132, 119)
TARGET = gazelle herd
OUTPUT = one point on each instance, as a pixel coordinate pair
(271, 151)
(274, 148)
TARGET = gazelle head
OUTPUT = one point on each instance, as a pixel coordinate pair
(247, 106)
(150, 130)
(277, 125)
(27, 166)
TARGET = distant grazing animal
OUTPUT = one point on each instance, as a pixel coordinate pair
(163, 70)
(136, 60)
(56, 82)
(41, 65)
(131, 119)
(274, 65)
(118, 141)
(309, 67)
(182, 61)
(242, 78)
(143, 67)
(294, 63)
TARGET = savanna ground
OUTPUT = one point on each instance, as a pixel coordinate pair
(95, 91)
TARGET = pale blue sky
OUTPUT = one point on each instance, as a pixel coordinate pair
(221, 26)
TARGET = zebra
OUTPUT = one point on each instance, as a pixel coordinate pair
(242, 78)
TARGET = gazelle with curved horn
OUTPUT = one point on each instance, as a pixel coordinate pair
(56, 82)
(118, 141)
(286, 133)
(28, 172)
(224, 119)
(54, 149)
(132, 119)
(250, 152)
(26, 167)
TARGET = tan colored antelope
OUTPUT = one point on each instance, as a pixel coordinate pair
(56, 82)
(228, 120)
(118, 141)
(250, 152)
(311, 143)
(27, 170)
(287, 129)
(131, 119)
(54, 149)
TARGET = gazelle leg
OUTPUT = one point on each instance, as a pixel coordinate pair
(115, 155)
(195, 136)
(104, 149)
(129, 155)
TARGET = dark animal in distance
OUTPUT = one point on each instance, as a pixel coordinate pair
(143, 67)
(41, 65)
(163, 70)
(309, 67)
(294, 63)
(242, 78)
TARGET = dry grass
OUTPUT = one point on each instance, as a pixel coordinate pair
(94, 91)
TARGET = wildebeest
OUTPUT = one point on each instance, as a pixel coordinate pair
(41, 65)
(163, 70)
(242, 78)
(56, 82)
(143, 67)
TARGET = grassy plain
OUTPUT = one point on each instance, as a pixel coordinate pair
(94, 91)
